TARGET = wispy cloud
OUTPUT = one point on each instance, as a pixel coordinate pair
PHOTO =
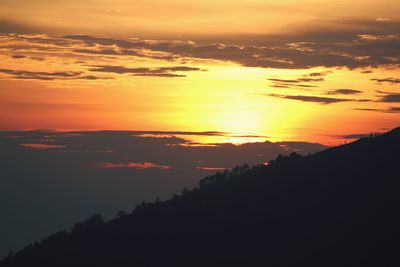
(353, 44)
(388, 97)
(345, 43)
(18, 56)
(301, 82)
(344, 92)
(107, 51)
(168, 133)
(41, 75)
(391, 98)
(131, 165)
(319, 74)
(41, 146)
(158, 72)
(387, 80)
(383, 110)
(315, 99)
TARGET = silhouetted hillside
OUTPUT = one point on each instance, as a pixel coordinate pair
(59, 178)
(339, 207)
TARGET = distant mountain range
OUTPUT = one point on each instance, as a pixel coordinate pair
(338, 207)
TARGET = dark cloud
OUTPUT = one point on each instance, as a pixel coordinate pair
(387, 80)
(291, 85)
(131, 165)
(387, 110)
(368, 109)
(304, 85)
(315, 99)
(391, 98)
(122, 52)
(319, 74)
(311, 79)
(301, 82)
(119, 69)
(37, 58)
(166, 75)
(208, 133)
(92, 77)
(18, 56)
(108, 52)
(344, 92)
(281, 85)
(383, 92)
(388, 97)
(351, 44)
(41, 75)
(363, 100)
(157, 72)
(41, 146)
(177, 68)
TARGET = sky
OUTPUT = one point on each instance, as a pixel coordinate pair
(314, 71)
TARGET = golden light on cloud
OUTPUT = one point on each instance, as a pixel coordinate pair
(258, 70)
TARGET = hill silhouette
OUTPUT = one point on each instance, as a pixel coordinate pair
(338, 207)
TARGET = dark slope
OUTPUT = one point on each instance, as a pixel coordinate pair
(339, 207)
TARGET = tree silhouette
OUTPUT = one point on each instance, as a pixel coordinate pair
(92, 221)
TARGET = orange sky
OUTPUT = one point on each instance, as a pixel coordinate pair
(289, 70)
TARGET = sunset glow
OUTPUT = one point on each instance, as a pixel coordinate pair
(216, 126)
(256, 70)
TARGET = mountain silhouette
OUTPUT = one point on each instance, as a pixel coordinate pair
(338, 207)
